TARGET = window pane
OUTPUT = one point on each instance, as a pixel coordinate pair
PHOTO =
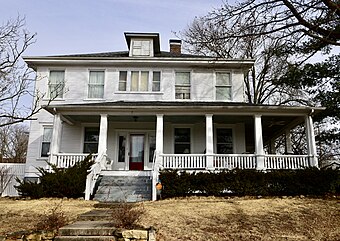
(224, 141)
(91, 138)
(152, 147)
(182, 92)
(223, 93)
(96, 84)
(182, 134)
(156, 81)
(134, 80)
(144, 81)
(45, 148)
(223, 79)
(122, 80)
(182, 148)
(90, 147)
(47, 136)
(182, 78)
(56, 84)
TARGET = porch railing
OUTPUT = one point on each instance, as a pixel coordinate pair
(286, 161)
(66, 160)
(183, 161)
(231, 161)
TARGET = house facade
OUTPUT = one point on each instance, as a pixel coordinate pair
(142, 110)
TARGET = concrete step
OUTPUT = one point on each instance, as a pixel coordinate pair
(129, 189)
(85, 238)
(104, 214)
(122, 198)
(87, 228)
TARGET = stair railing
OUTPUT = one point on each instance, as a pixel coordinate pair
(155, 175)
(92, 177)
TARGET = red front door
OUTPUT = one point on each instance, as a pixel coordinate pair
(136, 157)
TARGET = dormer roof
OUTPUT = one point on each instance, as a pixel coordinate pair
(153, 36)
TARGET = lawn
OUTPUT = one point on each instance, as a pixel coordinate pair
(205, 218)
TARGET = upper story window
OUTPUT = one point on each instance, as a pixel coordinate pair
(223, 86)
(141, 48)
(182, 88)
(96, 84)
(139, 81)
(46, 141)
(56, 84)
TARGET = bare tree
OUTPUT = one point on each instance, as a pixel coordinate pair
(5, 178)
(16, 79)
(13, 143)
(210, 35)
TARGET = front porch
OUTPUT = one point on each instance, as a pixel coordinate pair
(204, 138)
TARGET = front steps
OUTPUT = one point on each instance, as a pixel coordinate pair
(135, 187)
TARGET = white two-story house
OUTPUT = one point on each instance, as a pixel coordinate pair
(144, 109)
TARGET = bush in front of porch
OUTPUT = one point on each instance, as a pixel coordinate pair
(310, 181)
(61, 182)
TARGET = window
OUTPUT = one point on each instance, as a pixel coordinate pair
(223, 86)
(156, 81)
(182, 141)
(96, 84)
(182, 88)
(141, 47)
(122, 80)
(224, 143)
(139, 81)
(46, 141)
(56, 84)
(121, 148)
(91, 139)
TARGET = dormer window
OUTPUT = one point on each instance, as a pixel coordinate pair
(141, 47)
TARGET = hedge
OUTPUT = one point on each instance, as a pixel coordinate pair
(310, 181)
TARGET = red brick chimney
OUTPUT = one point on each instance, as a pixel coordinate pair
(175, 46)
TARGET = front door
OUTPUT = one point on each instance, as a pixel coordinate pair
(136, 155)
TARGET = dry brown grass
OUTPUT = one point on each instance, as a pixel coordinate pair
(23, 215)
(244, 219)
(205, 219)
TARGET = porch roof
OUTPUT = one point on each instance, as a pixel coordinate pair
(189, 107)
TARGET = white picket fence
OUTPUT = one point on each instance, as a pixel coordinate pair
(16, 170)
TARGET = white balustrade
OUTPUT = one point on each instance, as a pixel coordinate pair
(66, 160)
(286, 161)
(231, 161)
(183, 161)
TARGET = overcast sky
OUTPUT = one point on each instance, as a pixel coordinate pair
(87, 26)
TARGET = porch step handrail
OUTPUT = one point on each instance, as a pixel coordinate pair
(93, 175)
(273, 161)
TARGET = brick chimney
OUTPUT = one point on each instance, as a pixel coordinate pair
(175, 46)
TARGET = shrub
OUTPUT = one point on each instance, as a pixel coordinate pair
(52, 219)
(310, 181)
(61, 182)
(126, 215)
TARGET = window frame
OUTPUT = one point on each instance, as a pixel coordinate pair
(183, 85)
(150, 81)
(42, 141)
(227, 86)
(87, 142)
(174, 139)
(232, 128)
(60, 95)
(89, 84)
(134, 47)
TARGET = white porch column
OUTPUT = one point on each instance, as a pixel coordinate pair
(209, 140)
(289, 149)
(311, 146)
(159, 134)
(259, 151)
(56, 139)
(102, 143)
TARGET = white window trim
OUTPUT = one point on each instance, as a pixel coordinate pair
(224, 126)
(190, 71)
(88, 83)
(48, 84)
(231, 84)
(128, 81)
(44, 158)
(190, 126)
